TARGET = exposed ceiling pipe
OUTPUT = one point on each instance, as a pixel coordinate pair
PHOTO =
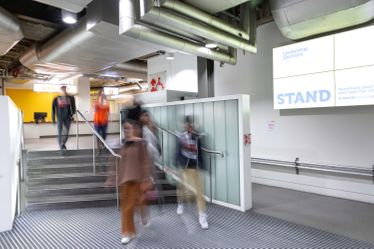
(159, 15)
(248, 21)
(147, 34)
(134, 66)
(10, 31)
(204, 17)
(69, 5)
(128, 27)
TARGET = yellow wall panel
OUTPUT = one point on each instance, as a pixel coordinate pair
(29, 102)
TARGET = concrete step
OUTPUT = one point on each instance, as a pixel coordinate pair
(49, 170)
(52, 160)
(65, 178)
(69, 168)
(94, 200)
(43, 153)
(81, 188)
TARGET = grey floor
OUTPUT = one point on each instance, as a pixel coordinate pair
(99, 228)
(340, 216)
(343, 217)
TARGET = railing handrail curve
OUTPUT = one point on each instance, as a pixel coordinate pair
(97, 135)
(217, 152)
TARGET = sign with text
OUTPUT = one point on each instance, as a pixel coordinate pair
(311, 90)
(53, 88)
(307, 57)
(336, 70)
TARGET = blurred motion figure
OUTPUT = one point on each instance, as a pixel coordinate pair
(134, 173)
(189, 160)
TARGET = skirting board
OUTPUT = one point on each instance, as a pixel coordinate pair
(329, 187)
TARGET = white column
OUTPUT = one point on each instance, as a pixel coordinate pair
(8, 165)
(83, 101)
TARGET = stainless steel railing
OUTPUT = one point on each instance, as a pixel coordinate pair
(297, 165)
(20, 160)
(208, 151)
(97, 135)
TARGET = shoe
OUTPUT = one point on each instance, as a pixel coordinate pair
(203, 222)
(147, 223)
(127, 239)
(180, 209)
(63, 147)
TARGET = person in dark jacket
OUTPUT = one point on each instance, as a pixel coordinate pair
(63, 107)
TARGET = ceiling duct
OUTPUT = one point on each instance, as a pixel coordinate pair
(298, 19)
(10, 31)
(160, 15)
(91, 46)
(133, 13)
(201, 16)
(74, 6)
(214, 6)
(130, 70)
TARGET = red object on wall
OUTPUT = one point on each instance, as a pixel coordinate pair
(247, 139)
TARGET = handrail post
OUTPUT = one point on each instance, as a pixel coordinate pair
(77, 130)
(117, 195)
(297, 164)
(210, 178)
(93, 155)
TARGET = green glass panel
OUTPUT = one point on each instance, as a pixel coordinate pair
(232, 152)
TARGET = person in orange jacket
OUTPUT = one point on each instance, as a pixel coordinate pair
(101, 116)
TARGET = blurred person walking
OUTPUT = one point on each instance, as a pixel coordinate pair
(63, 107)
(149, 130)
(133, 179)
(101, 115)
(190, 161)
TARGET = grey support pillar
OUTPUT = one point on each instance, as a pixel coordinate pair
(2, 92)
(205, 76)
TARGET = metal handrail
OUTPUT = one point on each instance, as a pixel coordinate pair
(348, 170)
(94, 133)
(210, 152)
(20, 161)
(217, 152)
(97, 135)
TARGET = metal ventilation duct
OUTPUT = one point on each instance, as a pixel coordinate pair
(156, 14)
(214, 6)
(10, 31)
(91, 46)
(131, 69)
(133, 13)
(74, 6)
(302, 18)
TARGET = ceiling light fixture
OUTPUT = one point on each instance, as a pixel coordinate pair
(68, 17)
(170, 56)
(211, 45)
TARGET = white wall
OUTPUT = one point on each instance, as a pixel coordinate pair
(181, 73)
(343, 135)
(9, 145)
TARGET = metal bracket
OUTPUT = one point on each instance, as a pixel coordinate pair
(372, 173)
(297, 164)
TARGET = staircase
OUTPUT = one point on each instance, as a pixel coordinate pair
(54, 181)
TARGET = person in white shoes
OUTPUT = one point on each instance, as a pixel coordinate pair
(190, 161)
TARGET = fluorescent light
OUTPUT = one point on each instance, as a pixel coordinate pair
(170, 56)
(68, 17)
(211, 45)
